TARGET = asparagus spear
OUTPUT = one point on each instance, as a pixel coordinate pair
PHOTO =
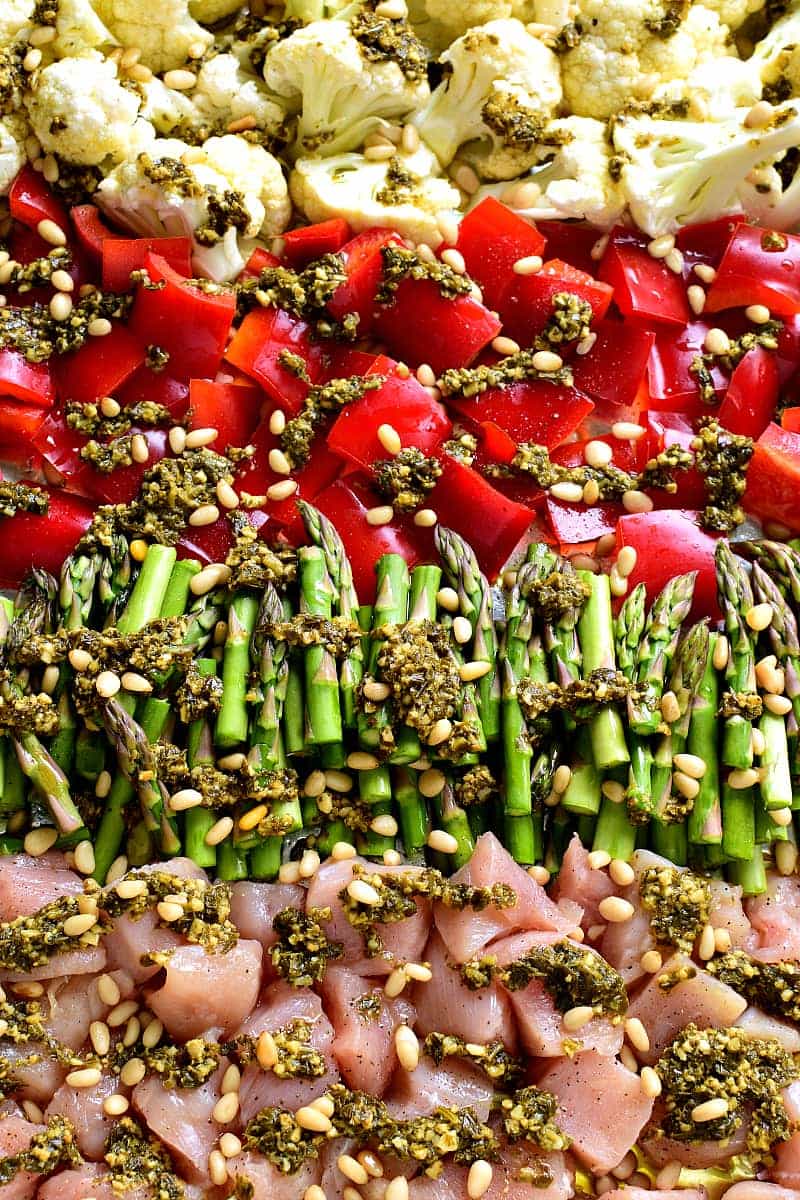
(133, 744)
(705, 819)
(656, 649)
(688, 668)
(736, 598)
(596, 634)
(199, 751)
(323, 711)
(393, 586)
(517, 749)
(232, 718)
(785, 642)
(272, 669)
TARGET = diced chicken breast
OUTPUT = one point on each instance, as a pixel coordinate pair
(82, 1182)
(208, 991)
(588, 1086)
(84, 1108)
(181, 1119)
(363, 1042)
(90, 961)
(268, 1183)
(775, 918)
(454, 1083)
(15, 1136)
(255, 905)
(580, 883)
(786, 1168)
(727, 911)
(27, 884)
(507, 1185)
(446, 1005)
(758, 1024)
(697, 1155)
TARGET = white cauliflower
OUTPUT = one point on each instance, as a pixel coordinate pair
(80, 111)
(734, 13)
(221, 195)
(478, 66)
(573, 183)
(777, 56)
(680, 172)
(164, 107)
(163, 30)
(15, 16)
(12, 150)
(456, 19)
(225, 93)
(79, 30)
(340, 95)
(627, 49)
(406, 193)
(211, 11)
(718, 85)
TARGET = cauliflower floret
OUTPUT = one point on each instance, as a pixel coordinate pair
(211, 11)
(680, 172)
(163, 30)
(164, 107)
(405, 193)
(456, 19)
(734, 13)
(15, 15)
(777, 56)
(573, 183)
(79, 30)
(341, 87)
(13, 130)
(628, 48)
(220, 195)
(80, 111)
(225, 93)
(477, 66)
(715, 88)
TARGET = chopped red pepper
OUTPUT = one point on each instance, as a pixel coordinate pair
(363, 266)
(491, 238)
(31, 201)
(123, 255)
(758, 267)
(422, 326)
(231, 408)
(572, 242)
(707, 242)
(158, 386)
(401, 403)
(527, 302)
(491, 522)
(90, 229)
(99, 367)
(752, 394)
(672, 384)
(263, 336)
(614, 369)
(121, 485)
(530, 411)
(643, 286)
(675, 429)
(301, 246)
(19, 423)
(773, 478)
(32, 540)
(669, 542)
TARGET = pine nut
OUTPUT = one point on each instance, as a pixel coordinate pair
(705, 272)
(759, 115)
(213, 576)
(779, 705)
(626, 561)
(759, 314)
(440, 732)
(312, 1119)
(505, 346)
(759, 617)
(376, 692)
(442, 841)
(226, 1108)
(389, 438)
(100, 1037)
(690, 764)
(670, 709)
(231, 1080)
(129, 889)
(406, 1044)
(721, 653)
(598, 859)
(140, 451)
(707, 945)
(382, 514)
(462, 630)
(206, 514)
(650, 1082)
(395, 983)
(180, 80)
(431, 782)
(420, 972)
(710, 1110)
(530, 265)
(469, 671)
(361, 760)
(660, 247)
(196, 438)
(184, 799)
(621, 872)
(39, 841)
(362, 892)
(479, 1179)
(219, 831)
(152, 1034)
(785, 857)
(226, 495)
(79, 924)
(86, 1077)
(572, 493)
(636, 502)
(575, 1018)
(696, 297)
(722, 940)
(341, 851)
(121, 1012)
(781, 817)
(84, 858)
(115, 1105)
(615, 909)
(613, 791)
(627, 431)
(339, 781)
(651, 961)
(230, 1145)
(686, 785)
(425, 518)
(597, 453)
(98, 327)
(741, 779)
(107, 684)
(397, 1188)
(637, 1035)
(384, 825)
(51, 233)
(455, 261)
(546, 361)
(266, 1050)
(60, 306)
(717, 341)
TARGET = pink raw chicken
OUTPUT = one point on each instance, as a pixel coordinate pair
(580, 883)
(84, 1108)
(403, 941)
(208, 991)
(279, 1006)
(447, 1004)
(775, 918)
(701, 1000)
(637, 1193)
(786, 1169)
(15, 1136)
(83, 1182)
(757, 1190)
(90, 961)
(699, 1155)
(181, 1119)
(506, 1184)
(254, 905)
(27, 884)
(727, 912)
(467, 933)
(363, 1043)
(541, 1025)
(454, 1084)
(758, 1024)
(268, 1183)
(591, 1085)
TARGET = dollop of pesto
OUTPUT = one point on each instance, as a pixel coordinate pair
(253, 563)
(722, 458)
(573, 976)
(406, 479)
(773, 986)
(137, 1159)
(50, 1149)
(302, 952)
(400, 263)
(678, 904)
(492, 1058)
(530, 1115)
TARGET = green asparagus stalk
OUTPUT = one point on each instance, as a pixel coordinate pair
(271, 665)
(232, 718)
(705, 819)
(517, 749)
(736, 598)
(200, 752)
(656, 649)
(596, 635)
(323, 711)
(785, 642)
(453, 819)
(393, 585)
(411, 810)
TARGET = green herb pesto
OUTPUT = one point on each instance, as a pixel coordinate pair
(338, 635)
(748, 1073)
(49, 1150)
(580, 697)
(668, 980)
(462, 448)
(106, 457)
(302, 952)
(297, 1058)
(415, 661)
(206, 921)
(741, 704)
(172, 175)
(400, 263)
(668, 21)
(13, 77)
(406, 479)
(33, 332)
(396, 899)
(765, 336)
(39, 271)
(478, 973)
(253, 563)
(275, 1134)
(177, 1066)
(773, 986)
(493, 1058)
(570, 321)
(385, 39)
(476, 786)
(400, 184)
(612, 482)
(226, 210)
(197, 695)
(300, 431)
(573, 975)
(31, 941)
(294, 364)
(517, 126)
(678, 904)
(304, 293)
(515, 368)
(722, 458)
(156, 357)
(530, 1115)
(561, 592)
(369, 1006)
(350, 810)
(137, 1159)
(89, 420)
(20, 497)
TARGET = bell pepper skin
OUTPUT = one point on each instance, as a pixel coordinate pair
(90, 230)
(671, 383)
(615, 367)
(27, 381)
(19, 423)
(422, 326)
(401, 403)
(120, 256)
(32, 540)
(773, 478)
(527, 302)
(256, 349)
(667, 543)
(708, 241)
(758, 267)
(491, 238)
(301, 246)
(571, 242)
(529, 411)
(31, 201)
(99, 367)
(233, 409)
(752, 394)
(363, 266)
(643, 286)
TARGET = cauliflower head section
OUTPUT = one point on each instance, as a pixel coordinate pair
(79, 30)
(15, 16)
(163, 30)
(777, 56)
(80, 111)
(627, 48)
(406, 193)
(679, 172)
(220, 195)
(500, 86)
(12, 150)
(341, 84)
(225, 92)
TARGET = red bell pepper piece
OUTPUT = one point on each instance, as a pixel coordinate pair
(671, 382)
(120, 486)
(301, 246)
(421, 326)
(491, 238)
(191, 325)
(27, 381)
(257, 345)
(19, 423)
(31, 201)
(256, 476)
(30, 540)
(790, 419)
(60, 449)
(571, 242)
(90, 229)
(675, 429)
(258, 260)
(708, 241)
(527, 303)
(530, 411)
(161, 388)
(668, 543)
(492, 523)
(123, 255)
(643, 286)
(99, 367)
(232, 409)
(211, 543)
(346, 503)
(577, 523)
(749, 403)
(613, 370)
(402, 403)
(758, 267)
(363, 266)
(773, 478)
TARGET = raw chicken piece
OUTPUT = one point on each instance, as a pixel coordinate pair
(759, 1024)
(578, 882)
(727, 912)
(700, 999)
(85, 1181)
(454, 1083)
(363, 1043)
(446, 1005)
(74, 1004)
(37, 1081)
(90, 961)
(403, 941)
(254, 905)
(181, 1119)
(279, 1006)
(27, 884)
(15, 1135)
(637, 1193)
(467, 933)
(786, 1169)
(84, 1108)
(268, 1183)
(601, 1106)
(775, 918)
(755, 1189)
(661, 1150)
(541, 1026)
(207, 991)
(506, 1184)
